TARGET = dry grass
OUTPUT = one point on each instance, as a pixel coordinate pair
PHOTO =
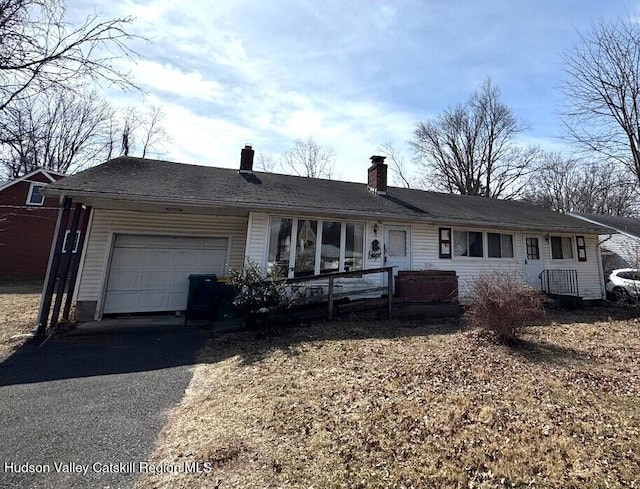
(18, 313)
(386, 405)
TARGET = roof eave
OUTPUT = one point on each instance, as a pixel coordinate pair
(274, 207)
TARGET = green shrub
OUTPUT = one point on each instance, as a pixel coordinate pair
(501, 304)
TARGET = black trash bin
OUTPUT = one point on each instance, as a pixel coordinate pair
(203, 298)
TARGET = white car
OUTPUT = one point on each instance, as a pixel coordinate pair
(624, 284)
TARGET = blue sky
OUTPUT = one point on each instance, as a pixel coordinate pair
(352, 74)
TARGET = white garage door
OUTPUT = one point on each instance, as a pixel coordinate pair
(151, 273)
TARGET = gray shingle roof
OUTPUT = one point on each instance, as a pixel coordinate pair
(137, 179)
(623, 224)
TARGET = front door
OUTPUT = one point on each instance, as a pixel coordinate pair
(533, 260)
(397, 248)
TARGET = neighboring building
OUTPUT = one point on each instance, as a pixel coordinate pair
(27, 222)
(155, 222)
(619, 250)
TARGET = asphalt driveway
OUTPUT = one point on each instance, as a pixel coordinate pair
(90, 404)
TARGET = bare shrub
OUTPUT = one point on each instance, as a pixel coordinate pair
(501, 304)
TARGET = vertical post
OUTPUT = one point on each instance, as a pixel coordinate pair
(62, 281)
(76, 262)
(330, 297)
(52, 269)
(389, 291)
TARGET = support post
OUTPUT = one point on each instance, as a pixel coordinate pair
(76, 261)
(64, 271)
(52, 269)
(390, 291)
(330, 298)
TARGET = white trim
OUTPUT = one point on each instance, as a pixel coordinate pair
(318, 253)
(42, 185)
(574, 251)
(23, 178)
(247, 240)
(83, 255)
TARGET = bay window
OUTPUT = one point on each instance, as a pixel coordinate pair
(317, 247)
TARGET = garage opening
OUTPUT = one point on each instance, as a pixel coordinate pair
(150, 274)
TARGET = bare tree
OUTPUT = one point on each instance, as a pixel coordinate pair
(308, 158)
(603, 92)
(398, 165)
(57, 130)
(471, 149)
(40, 51)
(131, 132)
(571, 185)
(266, 163)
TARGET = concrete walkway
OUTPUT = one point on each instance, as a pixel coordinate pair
(91, 401)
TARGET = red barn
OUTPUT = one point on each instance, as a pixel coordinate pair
(27, 224)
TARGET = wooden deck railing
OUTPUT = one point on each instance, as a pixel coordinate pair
(331, 277)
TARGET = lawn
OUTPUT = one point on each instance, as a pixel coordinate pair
(397, 404)
(18, 313)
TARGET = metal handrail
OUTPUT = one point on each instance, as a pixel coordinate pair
(559, 282)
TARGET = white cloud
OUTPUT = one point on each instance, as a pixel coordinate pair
(352, 74)
(153, 76)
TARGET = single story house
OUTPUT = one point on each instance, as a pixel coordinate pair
(620, 249)
(152, 223)
(27, 222)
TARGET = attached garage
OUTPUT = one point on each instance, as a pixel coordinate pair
(150, 273)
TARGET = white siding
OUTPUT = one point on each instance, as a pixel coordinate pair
(424, 249)
(625, 246)
(425, 257)
(106, 223)
(257, 234)
(590, 281)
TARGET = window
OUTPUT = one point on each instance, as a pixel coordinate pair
(467, 243)
(318, 246)
(397, 245)
(354, 245)
(533, 249)
(35, 196)
(499, 245)
(330, 255)
(66, 244)
(305, 250)
(561, 248)
(445, 242)
(582, 248)
(279, 243)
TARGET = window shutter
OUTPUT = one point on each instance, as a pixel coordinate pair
(582, 248)
(444, 242)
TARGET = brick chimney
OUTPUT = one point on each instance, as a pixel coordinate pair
(378, 175)
(246, 159)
